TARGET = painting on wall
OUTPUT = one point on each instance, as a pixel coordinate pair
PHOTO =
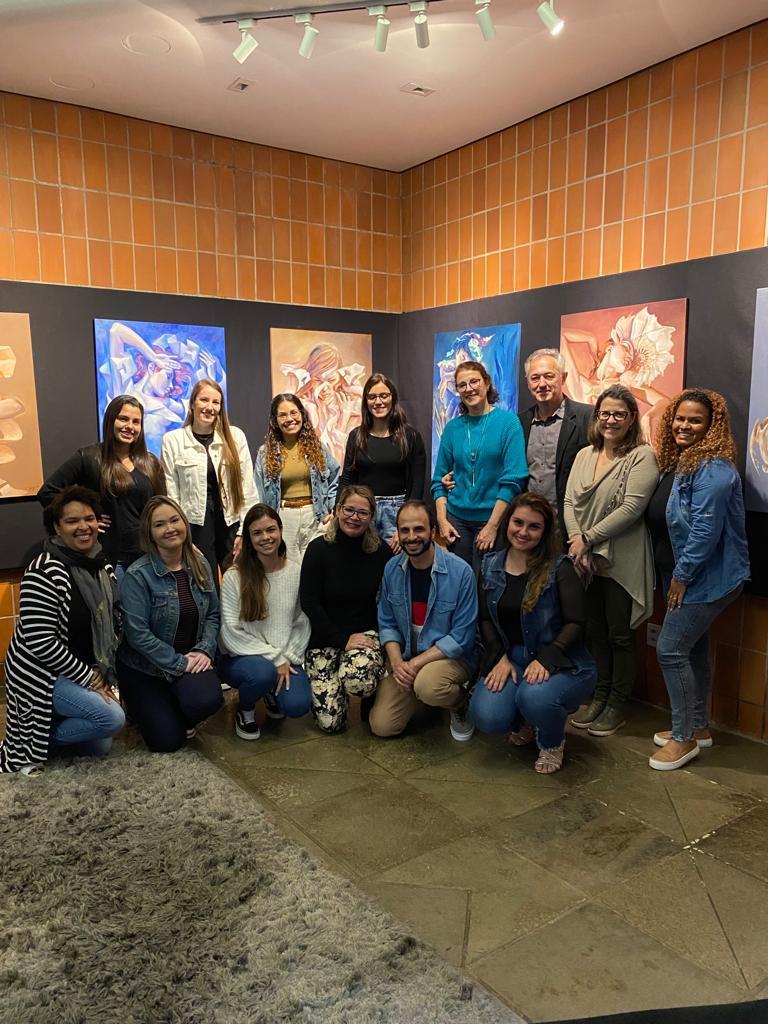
(158, 364)
(497, 348)
(641, 346)
(21, 467)
(756, 492)
(327, 371)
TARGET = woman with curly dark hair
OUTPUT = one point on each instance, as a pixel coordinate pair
(386, 454)
(705, 518)
(535, 668)
(298, 476)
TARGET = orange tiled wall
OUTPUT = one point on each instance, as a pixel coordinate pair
(668, 165)
(89, 198)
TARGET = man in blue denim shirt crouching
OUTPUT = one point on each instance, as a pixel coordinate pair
(427, 625)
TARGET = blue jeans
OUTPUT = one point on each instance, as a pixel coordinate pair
(83, 719)
(256, 677)
(682, 650)
(385, 520)
(544, 705)
(465, 546)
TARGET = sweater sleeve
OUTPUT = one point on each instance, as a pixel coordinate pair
(39, 619)
(349, 470)
(514, 473)
(312, 597)
(235, 636)
(73, 471)
(641, 483)
(571, 525)
(297, 645)
(444, 462)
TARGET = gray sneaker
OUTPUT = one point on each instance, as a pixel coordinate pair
(462, 728)
(586, 716)
(608, 723)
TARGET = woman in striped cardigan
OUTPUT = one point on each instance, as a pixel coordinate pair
(60, 666)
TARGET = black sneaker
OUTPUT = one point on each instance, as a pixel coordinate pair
(586, 716)
(273, 708)
(246, 730)
(608, 723)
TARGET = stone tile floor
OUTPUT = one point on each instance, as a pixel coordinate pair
(604, 888)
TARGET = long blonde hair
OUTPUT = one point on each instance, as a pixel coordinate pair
(190, 559)
(232, 490)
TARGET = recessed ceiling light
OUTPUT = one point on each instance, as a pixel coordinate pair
(73, 82)
(415, 89)
(146, 45)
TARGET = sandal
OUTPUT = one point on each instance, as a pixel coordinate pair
(550, 761)
(522, 737)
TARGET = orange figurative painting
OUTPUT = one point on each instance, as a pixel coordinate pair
(327, 370)
(641, 346)
(21, 469)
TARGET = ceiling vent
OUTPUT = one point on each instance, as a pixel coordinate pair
(416, 90)
(240, 85)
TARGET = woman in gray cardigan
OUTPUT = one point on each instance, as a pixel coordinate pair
(611, 483)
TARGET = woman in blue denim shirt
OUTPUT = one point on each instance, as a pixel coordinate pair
(297, 475)
(705, 519)
(171, 625)
(535, 668)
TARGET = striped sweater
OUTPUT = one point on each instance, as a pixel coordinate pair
(36, 657)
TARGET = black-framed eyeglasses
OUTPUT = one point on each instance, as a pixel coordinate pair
(610, 414)
(355, 513)
(465, 385)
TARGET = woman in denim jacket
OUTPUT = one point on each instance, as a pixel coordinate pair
(705, 519)
(535, 669)
(296, 474)
(171, 625)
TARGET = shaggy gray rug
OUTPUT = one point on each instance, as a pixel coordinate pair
(151, 890)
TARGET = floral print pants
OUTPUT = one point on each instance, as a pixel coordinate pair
(335, 674)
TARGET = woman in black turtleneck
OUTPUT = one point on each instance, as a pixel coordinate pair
(340, 577)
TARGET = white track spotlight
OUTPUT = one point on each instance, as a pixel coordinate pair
(382, 27)
(419, 8)
(308, 40)
(483, 15)
(247, 43)
(546, 11)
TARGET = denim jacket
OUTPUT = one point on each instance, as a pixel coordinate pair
(150, 606)
(542, 623)
(324, 484)
(705, 517)
(451, 621)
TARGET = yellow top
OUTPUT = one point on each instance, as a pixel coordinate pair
(295, 481)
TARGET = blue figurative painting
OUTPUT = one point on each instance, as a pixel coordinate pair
(497, 348)
(756, 490)
(158, 364)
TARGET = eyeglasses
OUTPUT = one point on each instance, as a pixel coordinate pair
(466, 385)
(606, 415)
(355, 513)
(379, 398)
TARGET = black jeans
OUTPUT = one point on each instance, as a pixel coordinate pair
(215, 540)
(611, 640)
(163, 709)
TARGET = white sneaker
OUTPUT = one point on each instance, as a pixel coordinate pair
(461, 727)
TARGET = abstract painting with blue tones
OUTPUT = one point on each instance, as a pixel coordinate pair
(497, 348)
(158, 364)
(756, 491)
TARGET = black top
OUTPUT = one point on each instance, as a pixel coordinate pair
(79, 627)
(553, 656)
(125, 513)
(212, 495)
(384, 468)
(189, 618)
(656, 519)
(338, 588)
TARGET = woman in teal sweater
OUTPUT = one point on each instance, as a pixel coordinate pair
(481, 466)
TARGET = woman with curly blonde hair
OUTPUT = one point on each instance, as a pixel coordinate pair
(705, 519)
(298, 476)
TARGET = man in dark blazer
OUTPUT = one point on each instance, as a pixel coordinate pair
(555, 428)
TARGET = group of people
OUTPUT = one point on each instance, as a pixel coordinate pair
(512, 602)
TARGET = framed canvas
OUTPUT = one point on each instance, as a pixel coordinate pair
(21, 467)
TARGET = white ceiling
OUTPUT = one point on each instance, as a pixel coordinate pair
(346, 101)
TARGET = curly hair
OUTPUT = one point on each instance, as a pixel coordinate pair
(308, 441)
(717, 443)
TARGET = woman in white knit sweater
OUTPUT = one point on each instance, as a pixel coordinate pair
(264, 632)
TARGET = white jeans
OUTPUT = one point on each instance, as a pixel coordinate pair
(299, 528)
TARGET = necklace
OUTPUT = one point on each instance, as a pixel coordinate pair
(473, 455)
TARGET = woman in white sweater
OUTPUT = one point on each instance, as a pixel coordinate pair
(264, 632)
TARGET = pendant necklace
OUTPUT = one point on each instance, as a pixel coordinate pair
(474, 454)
